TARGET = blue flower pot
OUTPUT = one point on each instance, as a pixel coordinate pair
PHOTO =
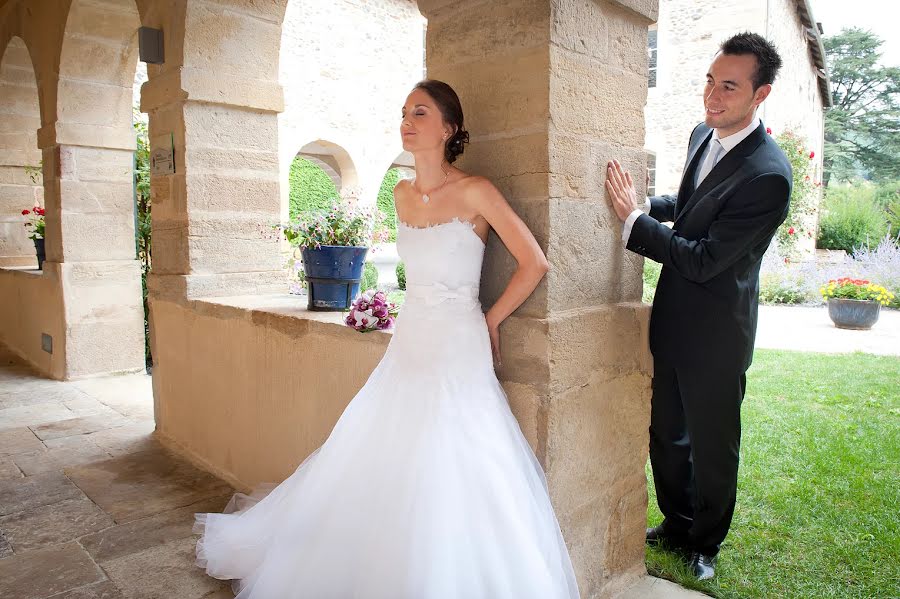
(333, 273)
(858, 315)
(41, 253)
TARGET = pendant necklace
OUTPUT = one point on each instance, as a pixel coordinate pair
(427, 196)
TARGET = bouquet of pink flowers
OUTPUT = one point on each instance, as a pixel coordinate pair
(371, 311)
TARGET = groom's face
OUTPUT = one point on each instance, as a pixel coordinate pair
(729, 98)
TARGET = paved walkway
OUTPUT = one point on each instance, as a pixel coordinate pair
(92, 507)
(809, 329)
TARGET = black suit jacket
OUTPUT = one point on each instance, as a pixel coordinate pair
(705, 308)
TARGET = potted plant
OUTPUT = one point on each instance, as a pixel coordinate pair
(333, 247)
(36, 224)
(855, 303)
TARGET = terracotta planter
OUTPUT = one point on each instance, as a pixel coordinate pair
(858, 315)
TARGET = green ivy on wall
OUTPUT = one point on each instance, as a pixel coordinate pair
(386, 202)
(311, 189)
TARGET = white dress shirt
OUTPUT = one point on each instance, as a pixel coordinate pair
(706, 166)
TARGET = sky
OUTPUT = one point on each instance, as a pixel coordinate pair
(879, 16)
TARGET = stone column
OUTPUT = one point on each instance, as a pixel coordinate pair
(551, 91)
(212, 218)
(91, 247)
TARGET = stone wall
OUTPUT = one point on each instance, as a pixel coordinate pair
(346, 68)
(796, 102)
(33, 306)
(20, 119)
(690, 32)
(248, 388)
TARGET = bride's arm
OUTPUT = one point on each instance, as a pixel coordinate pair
(515, 235)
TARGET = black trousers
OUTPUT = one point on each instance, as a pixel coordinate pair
(695, 437)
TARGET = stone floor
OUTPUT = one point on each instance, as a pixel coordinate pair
(92, 507)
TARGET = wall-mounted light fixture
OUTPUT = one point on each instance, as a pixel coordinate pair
(150, 45)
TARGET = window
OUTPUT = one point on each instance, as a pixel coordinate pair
(651, 174)
(651, 54)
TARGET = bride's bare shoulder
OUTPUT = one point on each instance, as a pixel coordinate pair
(402, 188)
(480, 190)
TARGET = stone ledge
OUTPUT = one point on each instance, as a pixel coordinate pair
(285, 313)
(22, 271)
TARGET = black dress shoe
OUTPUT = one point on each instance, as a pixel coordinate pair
(703, 566)
(660, 536)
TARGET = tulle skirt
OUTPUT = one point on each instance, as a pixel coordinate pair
(425, 489)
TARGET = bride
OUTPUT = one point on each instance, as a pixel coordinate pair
(426, 488)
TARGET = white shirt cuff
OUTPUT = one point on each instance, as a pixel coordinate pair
(629, 222)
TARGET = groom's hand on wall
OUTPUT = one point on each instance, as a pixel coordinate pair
(620, 190)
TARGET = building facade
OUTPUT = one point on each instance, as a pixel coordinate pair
(683, 43)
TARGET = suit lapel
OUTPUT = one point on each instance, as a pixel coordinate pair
(690, 169)
(724, 169)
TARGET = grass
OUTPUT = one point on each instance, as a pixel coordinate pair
(819, 483)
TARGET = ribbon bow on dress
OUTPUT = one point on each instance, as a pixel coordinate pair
(438, 293)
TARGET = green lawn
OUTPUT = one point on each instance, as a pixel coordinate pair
(819, 487)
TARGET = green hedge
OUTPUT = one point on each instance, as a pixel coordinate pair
(369, 278)
(401, 275)
(851, 220)
(386, 201)
(652, 271)
(311, 189)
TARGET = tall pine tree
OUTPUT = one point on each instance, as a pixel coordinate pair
(862, 130)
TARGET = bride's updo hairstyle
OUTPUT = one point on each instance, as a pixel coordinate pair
(448, 103)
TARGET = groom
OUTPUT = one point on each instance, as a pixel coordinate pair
(733, 196)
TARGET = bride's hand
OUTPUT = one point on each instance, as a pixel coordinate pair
(494, 333)
(493, 328)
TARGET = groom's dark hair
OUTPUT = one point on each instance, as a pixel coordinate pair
(768, 62)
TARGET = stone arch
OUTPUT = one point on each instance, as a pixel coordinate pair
(335, 161)
(405, 163)
(20, 118)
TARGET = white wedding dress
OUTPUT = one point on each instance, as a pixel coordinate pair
(426, 488)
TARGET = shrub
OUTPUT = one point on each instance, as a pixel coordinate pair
(369, 278)
(881, 264)
(893, 217)
(401, 275)
(651, 278)
(783, 282)
(778, 289)
(850, 222)
(804, 192)
(311, 189)
(386, 202)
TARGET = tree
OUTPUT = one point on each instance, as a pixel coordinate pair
(862, 130)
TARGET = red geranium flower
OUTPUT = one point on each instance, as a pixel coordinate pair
(791, 231)
(812, 155)
(26, 212)
(769, 130)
